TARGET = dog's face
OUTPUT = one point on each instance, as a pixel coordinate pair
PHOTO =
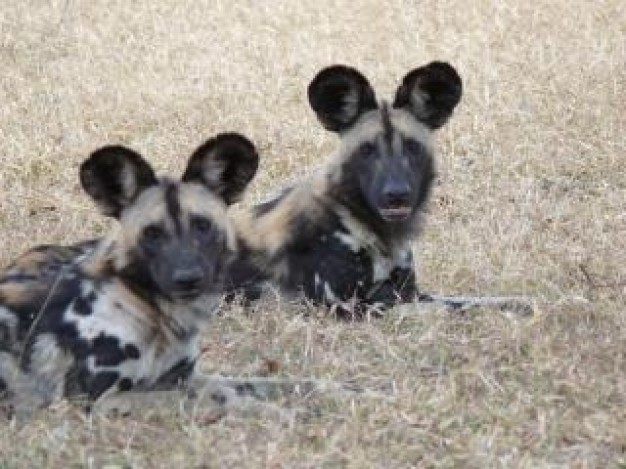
(175, 238)
(177, 235)
(390, 161)
(386, 154)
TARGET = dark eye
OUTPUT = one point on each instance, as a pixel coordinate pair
(201, 225)
(413, 147)
(367, 150)
(154, 233)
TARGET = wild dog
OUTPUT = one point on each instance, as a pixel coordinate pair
(343, 236)
(125, 312)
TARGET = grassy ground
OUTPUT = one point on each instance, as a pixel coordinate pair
(530, 200)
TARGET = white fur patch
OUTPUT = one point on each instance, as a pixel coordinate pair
(329, 294)
(348, 240)
(317, 281)
(382, 267)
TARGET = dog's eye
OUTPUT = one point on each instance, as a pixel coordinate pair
(201, 225)
(367, 150)
(154, 233)
(413, 147)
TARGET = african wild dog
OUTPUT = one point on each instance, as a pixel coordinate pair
(343, 237)
(127, 314)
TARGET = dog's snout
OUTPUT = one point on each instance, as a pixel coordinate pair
(188, 277)
(396, 192)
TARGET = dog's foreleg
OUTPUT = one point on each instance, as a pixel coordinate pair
(519, 305)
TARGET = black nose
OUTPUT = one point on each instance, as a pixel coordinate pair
(396, 193)
(188, 278)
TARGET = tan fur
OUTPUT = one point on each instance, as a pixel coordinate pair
(370, 125)
(31, 262)
(27, 264)
(20, 293)
(269, 232)
(195, 199)
(150, 208)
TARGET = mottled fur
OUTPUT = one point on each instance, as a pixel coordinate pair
(125, 312)
(343, 236)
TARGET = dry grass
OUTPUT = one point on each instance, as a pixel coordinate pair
(531, 201)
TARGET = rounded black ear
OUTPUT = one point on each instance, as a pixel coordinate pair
(114, 176)
(339, 95)
(225, 164)
(430, 93)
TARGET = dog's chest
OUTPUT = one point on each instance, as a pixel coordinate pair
(380, 259)
(125, 338)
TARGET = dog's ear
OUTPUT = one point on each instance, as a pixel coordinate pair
(339, 95)
(225, 164)
(430, 93)
(114, 176)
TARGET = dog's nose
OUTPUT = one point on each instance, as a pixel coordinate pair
(396, 193)
(188, 278)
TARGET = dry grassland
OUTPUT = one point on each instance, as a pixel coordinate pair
(531, 200)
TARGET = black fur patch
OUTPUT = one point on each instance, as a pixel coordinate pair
(239, 159)
(100, 382)
(178, 374)
(125, 384)
(441, 88)
(17, 278)
(5, 336)
(173, 206)
(387, 126)
(131, 351)
(219, 398)
(56, 302)
(332, 94)
(265, 207)
(83, 306)
(348, 193)
(245, 389)
(244, 276)
(317, 251)
(104, 176)
(400, 287)
(136, 276)
(107, 350)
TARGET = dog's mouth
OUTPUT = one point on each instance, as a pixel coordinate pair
(399, 213)
(186, 294)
